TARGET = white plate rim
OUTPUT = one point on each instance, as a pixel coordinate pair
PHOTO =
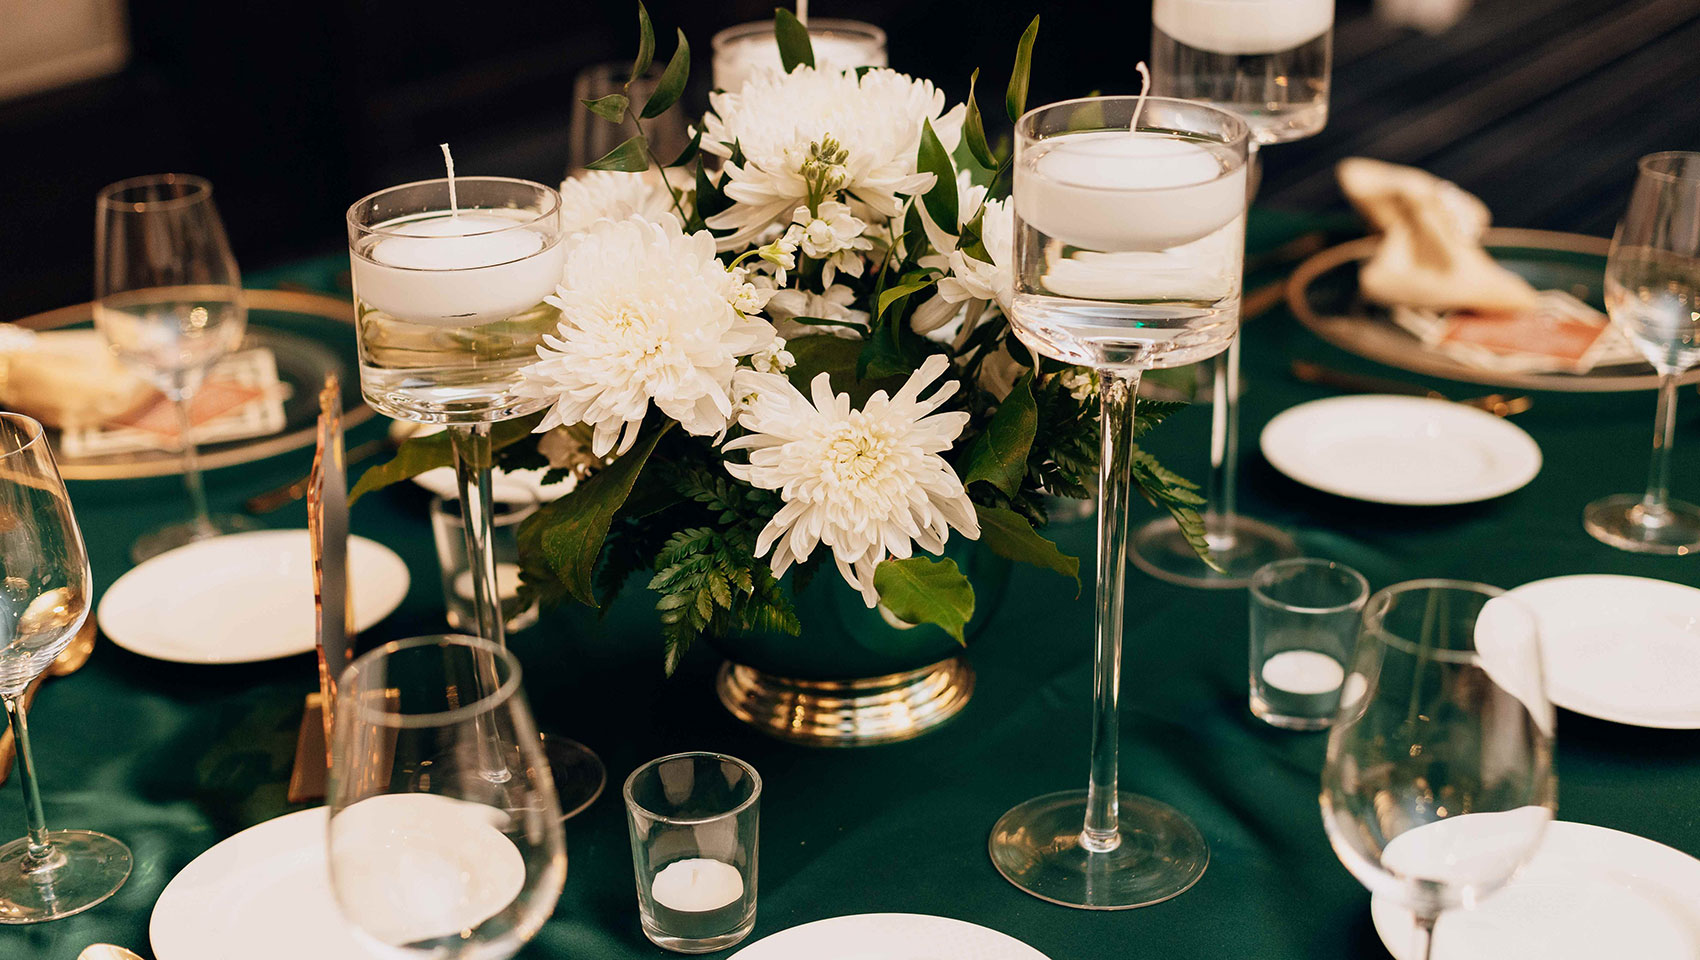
(400, 582)
(1389, 918)
(812, 930)
(1269, 441)
(1578, 701)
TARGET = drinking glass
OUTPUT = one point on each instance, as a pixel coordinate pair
(1304, 619)
(1128, 249)
(695, 825)
(1267, 61)
(44, 600)
(168, 300)
(1653, 296)
(590, 137)
(445, 836)
(1438, 782)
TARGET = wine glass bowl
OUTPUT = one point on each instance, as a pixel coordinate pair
(1437, 785)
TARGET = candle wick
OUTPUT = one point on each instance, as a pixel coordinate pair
(1138, 108)
(449, 162)
(803, 12)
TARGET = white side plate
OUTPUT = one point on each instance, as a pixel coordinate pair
(886, 936)
(241, 598)
(1410, 451)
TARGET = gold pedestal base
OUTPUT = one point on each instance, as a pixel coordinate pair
(847, 713)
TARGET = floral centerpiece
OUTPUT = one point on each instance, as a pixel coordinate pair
(789, 348)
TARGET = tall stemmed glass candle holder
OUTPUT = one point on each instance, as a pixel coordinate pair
(1268, 61)
(1130, 234)
(1653, 295)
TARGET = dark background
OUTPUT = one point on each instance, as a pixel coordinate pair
(295, 110)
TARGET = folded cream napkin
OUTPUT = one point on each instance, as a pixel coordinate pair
(65, 378)
(1430, 254)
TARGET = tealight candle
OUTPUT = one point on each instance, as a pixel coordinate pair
(743, 51)
(697, 885)
(1243, 27)
(464, 270)
(1304, 672)
(1117, 190)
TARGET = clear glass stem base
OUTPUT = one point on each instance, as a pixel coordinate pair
(1239, 544)
(156, 542)
(579, 773)
(82, 869)
(1625, 522)
(1038, 847)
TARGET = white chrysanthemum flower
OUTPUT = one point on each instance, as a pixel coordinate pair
(611, 195)
(868, 483)
(835, 304)
(967, 278)
(783, 124)
(646, 316)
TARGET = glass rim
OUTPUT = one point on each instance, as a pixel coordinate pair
(755, 794)
(1646, 165)
(200, 190)
(824, 25)
(414, 721)
(552, 206)
(30, 426)
(1240, 142)
(1259, 582)
(1373, 618)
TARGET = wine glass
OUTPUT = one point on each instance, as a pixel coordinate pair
(44, 599)
(1267, 61)
(1438, 783)
(1653, 296)
(168, 300)
(1129, 236)
(445, 834)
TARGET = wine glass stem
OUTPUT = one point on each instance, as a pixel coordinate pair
(1664, 434)
(1116, 394)
(473, 462)
(1424, 927)
(37, 820)
(1219, 491)
(192, 481)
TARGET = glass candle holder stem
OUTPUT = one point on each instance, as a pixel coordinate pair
(1224, 443)
(473, 455)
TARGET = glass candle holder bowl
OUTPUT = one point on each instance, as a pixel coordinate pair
(1304, 621)
(695, 821)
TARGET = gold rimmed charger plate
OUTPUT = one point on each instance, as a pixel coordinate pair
(1323, 294)
(311, 334)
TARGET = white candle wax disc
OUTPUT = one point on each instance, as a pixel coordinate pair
(697, 884)
(456, 243)
(1303, 671)
(507, 582)
(477, 268)
(1112, 190)
(1243, 26)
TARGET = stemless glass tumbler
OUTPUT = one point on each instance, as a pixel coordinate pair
(1653, 296)
(1438, 782)
(445, 835)
(1129, 238)
(1304, 621)
(43, 602)
(168, 300)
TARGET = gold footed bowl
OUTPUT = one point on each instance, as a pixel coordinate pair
(847, 713)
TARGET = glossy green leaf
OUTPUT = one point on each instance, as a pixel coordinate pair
(999, 456)
(629, 157)
(933, 158)
(1015, 100)
(646, 45)
(672, 82)
(795, 47)
(837, 357)
(690, 152)
(1008, 534)
(974, 129)
(611, 108)
(893, 294)
(923, 590)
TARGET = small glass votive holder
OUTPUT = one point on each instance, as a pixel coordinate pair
(694, 821)
(448, 528)
(1304, 620)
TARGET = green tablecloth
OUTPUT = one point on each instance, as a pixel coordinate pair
(175, 758)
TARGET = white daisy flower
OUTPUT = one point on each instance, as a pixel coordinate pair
(611, 195)
(646, 316)
(869, 484)
(823, 132)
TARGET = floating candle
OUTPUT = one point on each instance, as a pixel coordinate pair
(1116, 190)
(1304, 672)
(741, 52)
(697, 885)
(1243, 26)
(457, 271)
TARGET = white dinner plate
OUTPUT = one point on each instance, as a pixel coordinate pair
(1625, 649)
(885, 936)
(1411, 451)
(263, 894)
(1588, 893)
(241, 598)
